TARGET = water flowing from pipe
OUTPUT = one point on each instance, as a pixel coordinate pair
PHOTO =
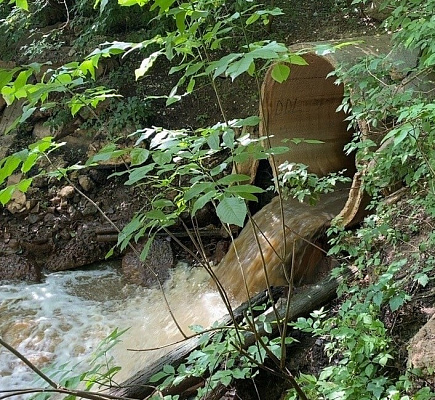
(66, 316)
(247, 260)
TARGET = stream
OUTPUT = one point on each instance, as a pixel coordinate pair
(64, 318)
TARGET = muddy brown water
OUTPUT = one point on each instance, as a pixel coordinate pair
(64, 318)
(275, 254)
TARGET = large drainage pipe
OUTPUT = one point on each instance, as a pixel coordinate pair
(304, 106)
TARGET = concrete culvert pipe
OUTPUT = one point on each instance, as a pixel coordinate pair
(304, 106)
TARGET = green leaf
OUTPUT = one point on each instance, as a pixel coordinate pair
(157, 377)
(179, 21)
(139, 173)
(22, 4)
(8, 168)
(86, 66)
(190, 86)
(202, 201)
(232, 178)
(239, 67)
(278, 150)
(162, 157)
(6, 194)
(24, 184)
(280, 72)
(196, 189)
(297, 60)
(244, 189)
(232, 210)
(139, 156)
(422, 279)
(169, 369)
(173, 96)
(396, 302)
(27, 112)
(146, 248)
(253, 120)
(213, 140)
(162, 203)
(254, 17)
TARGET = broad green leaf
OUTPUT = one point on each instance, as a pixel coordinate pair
(24, 184)
(76, 107)
(139, 156)
(8, 168)
(29, 162)
(278, 150)
(219, 67)
(202, 201)
(156, 214)
(297, 60)
(244, 189)
(22, 4)
(139, 173)
(218, 169)
(64, 78)
(239, 67)
(232, 210)
(87, 66)
(27, 112)
(158, 376)
(232, 178)
(253, 120)
(179, 21)
(169, 369)
(396, 302)
(254, 17)
(7, 75)
(213, 140)
(280, 72)
(162, 157)
(6, 194)
(228, 138)
(161, 203)
(196, 189)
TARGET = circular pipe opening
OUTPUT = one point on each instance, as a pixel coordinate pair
(304, 107)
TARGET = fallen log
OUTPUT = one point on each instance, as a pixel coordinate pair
(108, 234)
(302, 303)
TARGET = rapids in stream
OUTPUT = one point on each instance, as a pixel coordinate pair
(65, 317)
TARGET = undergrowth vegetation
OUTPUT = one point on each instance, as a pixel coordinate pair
(191, 168)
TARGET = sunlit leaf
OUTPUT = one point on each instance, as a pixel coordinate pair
(232, 210)
(280, 72)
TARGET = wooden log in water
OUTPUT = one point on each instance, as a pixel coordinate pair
(138, 386)
(303, 302)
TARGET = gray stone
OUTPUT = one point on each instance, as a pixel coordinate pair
(66, 192)
(15, 267)
(421, 351)
(17, 204)
(159, 262)
(86, 183)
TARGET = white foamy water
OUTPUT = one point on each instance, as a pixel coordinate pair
(66, 317)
